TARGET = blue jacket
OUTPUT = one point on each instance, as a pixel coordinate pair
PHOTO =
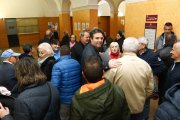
(170, 109)
(157, 65)
(66, 77)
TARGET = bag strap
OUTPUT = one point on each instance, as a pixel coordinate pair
(49, 101)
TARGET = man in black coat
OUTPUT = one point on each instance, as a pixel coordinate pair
(7, 69)
(173, 76)
(77, 49)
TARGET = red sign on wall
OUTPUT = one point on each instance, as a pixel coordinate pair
(150, 25)
(151, 17)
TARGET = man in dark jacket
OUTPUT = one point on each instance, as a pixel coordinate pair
(170, 108)
(156, 65)
(98, 99)
(93, 49)
(7, 69)
(77, 49)
(173, 75)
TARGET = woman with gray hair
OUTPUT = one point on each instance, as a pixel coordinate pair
(46, 59)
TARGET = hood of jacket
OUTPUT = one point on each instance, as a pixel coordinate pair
(173, 95)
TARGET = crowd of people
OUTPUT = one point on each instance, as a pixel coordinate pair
(97, 78)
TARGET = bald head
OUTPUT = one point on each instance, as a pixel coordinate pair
(175, 52)
(48, 33)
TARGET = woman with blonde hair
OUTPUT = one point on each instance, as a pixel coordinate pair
(46, 59)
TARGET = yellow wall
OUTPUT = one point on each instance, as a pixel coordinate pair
(84, 16)
(167, 11)
(64, 22)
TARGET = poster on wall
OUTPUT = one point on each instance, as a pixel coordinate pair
(150, 34)
(87, 25)
(75, 26)
(79, 26)
(83, 26)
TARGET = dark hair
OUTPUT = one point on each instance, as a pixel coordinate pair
(27, 48)
(168, 24)
(93, 69)
(65, 50)
(54, 41)
(94, 31)
(28, 72)
(120, 32)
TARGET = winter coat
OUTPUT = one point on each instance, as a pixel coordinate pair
(170, 109)
(7, 75)
(35, 103)
(66, 77)
(106, 102)
(47, 66)
(157, 65)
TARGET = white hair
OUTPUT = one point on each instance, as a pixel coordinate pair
(114, 44)
(143, 40)
(47, 47)
(130, 44)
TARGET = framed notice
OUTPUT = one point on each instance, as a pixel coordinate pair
(87, 25)
(79, 26)
(83, 26)
(150, 34)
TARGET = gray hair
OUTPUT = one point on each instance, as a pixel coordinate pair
(143, 40)
(83, 32)
(47, 47)
(130, 44)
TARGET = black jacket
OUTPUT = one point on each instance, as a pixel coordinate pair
(7, 75)
(47, 66)
(76, 51)
(34, 103)
(92, 51)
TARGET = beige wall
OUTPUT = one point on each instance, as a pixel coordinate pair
(167, 10)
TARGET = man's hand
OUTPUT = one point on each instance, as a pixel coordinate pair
(113, 63)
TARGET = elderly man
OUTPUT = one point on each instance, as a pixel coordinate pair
(173, 75)
(134, 76)
(77, 49)
(156, 64)
(7, 69)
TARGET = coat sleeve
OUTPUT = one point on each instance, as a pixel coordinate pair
(75, 112)
(21, 112)
(150, 82)
(56, 76)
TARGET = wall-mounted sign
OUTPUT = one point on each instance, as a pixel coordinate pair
(151, 18)
(150, 34)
